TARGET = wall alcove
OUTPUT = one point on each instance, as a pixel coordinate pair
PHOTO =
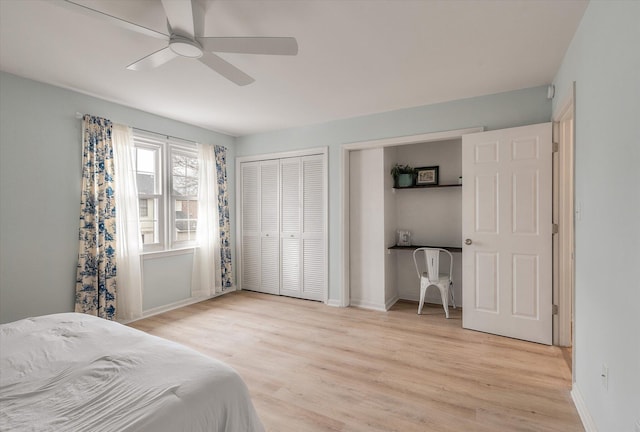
(433, 215)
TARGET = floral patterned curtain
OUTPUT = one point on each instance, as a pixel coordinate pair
(223, 212)
(96, 270)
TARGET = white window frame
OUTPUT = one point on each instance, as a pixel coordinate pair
(166, 146)
(190, 151)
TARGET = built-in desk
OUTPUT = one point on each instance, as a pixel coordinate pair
(414, 247)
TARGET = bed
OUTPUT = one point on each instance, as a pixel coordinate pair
(75, 372)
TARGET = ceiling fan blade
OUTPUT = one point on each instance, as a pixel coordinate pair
(251, 45)
(112, 19)
(180, 16)
(154, 60)
(199, 8)
(226, 69)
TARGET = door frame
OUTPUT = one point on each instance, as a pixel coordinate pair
(344, 165)
(564, 216)
(324, 151)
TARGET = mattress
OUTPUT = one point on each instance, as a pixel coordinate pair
(75, 372)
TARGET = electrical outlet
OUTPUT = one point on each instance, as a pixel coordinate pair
(604, 376)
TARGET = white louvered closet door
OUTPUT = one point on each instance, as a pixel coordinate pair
(290, 216)
(313, 229)
(250, 274)
(283, 226)
(269, 227)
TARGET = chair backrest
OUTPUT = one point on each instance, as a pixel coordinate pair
(432, 262)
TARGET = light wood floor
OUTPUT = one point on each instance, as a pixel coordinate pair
(312, 367)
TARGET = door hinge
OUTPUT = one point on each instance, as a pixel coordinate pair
(554, 309)
(555, 147)
(555, 129)
(554, 228)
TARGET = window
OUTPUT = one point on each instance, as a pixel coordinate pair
(167, 180)
(184, 194)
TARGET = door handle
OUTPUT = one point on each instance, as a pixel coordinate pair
(468, 242)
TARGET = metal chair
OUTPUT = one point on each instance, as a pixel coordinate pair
(432, 276)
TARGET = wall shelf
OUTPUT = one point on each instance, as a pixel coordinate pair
(428, 186)
(414, 247)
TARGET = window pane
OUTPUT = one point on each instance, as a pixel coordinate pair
(191, 187)
(146, 183)
(178, 165)
(179, 185)
(146, 170)
(184, 169)
(192, 168)
(149, 222)
(143, 205)
(186, 219)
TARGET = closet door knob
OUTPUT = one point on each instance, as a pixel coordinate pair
(468, 242)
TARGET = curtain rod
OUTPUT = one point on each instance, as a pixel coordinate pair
(164, 135)
(80, 116)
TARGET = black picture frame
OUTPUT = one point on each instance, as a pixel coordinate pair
(427, 176)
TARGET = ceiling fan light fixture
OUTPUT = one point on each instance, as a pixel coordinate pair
(185, 47)
(184, 41)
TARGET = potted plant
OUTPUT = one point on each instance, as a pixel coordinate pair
(402, 175)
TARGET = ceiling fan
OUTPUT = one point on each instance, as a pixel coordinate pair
(184, 24)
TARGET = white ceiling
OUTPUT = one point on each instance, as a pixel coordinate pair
(355, 57)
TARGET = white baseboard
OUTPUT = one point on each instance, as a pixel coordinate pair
(182, 303)
(427, 299)
(365, 304)
(583, 411)
(391, 302)
(368, 305)
(334, 303)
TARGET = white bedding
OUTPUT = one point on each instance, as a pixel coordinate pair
(74, 372)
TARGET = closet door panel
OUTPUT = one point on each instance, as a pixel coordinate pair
(290, 214)
(269, 197)
(313, 269)
(270, 265)
(290, 253)
(269, 223)
(250, 202)
(290, 193)
(313, 195)
(251, 263)
(313, 240)
(250, 223)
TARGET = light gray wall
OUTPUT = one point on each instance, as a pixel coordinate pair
(40, 175)
(516, 108)
(175, 285)
(604, 61)
(434, 216)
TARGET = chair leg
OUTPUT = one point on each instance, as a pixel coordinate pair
(445, 300)
(453, 298)
(423, 291)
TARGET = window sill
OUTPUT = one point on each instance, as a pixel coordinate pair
(170, 252)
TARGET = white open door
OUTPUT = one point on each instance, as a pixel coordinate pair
(507, 231)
